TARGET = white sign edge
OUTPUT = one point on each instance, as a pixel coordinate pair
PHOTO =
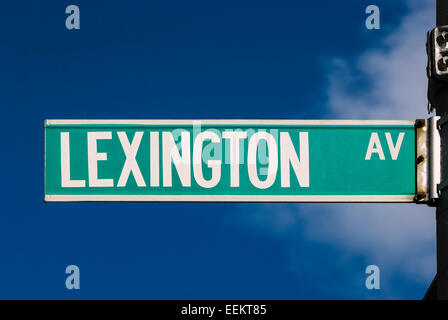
(230, 122)
(229, 198)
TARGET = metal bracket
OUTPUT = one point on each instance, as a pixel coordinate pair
(428, 168)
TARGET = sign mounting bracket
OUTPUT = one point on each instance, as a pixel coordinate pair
(428, 166)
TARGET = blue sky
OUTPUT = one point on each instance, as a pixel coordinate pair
(206, 60)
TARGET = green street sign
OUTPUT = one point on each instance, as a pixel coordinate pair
(230, 160)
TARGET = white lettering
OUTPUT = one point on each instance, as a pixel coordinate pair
(374, 147)
(252, 160)
(94, 156)
(234, 138)
(154, 158)
(171, 155)
(130, 165)
(394, 150)
(66, 181)
(288, 155)
(215, 165)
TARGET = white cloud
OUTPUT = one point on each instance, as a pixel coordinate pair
(395, 74)
(395, 236)
(398, 237)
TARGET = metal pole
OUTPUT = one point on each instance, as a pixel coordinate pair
(442, 219)
(439, 287)
(442, 13)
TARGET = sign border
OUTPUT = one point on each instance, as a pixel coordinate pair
(231, 122)
(227, 198)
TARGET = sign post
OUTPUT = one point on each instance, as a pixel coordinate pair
(235, 160)
(441, 279)
(438, 99)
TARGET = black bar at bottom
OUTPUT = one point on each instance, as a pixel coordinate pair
(229, 309)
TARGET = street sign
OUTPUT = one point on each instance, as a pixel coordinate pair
(230, 160)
